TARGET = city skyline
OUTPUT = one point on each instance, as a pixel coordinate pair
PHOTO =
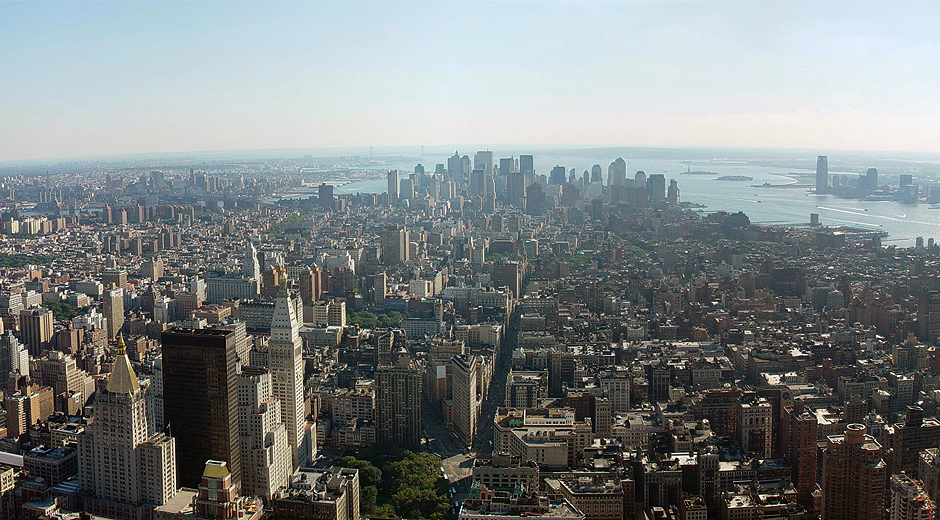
(170, 77)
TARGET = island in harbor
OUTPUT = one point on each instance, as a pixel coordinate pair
(734, 178)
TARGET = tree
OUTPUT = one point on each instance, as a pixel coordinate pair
(367, 497)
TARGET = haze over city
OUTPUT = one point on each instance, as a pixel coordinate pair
(100, 79)
(469, 261)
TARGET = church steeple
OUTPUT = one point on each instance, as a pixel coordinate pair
(123, 380)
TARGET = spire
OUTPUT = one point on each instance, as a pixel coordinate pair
(123, 380)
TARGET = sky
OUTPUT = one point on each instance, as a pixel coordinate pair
(95, 79)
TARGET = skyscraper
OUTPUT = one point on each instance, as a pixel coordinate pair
(506, 166)
(483, 160)
(265, 451)
(285, 354)
(455, 167)
(113, 300)
(36, 329)
(617, 172)
(398, 404)
(597, 174)
(909, 500)
(515, 189)
(251, 268)
(872, 174)
(526, 164)
(822, 174)
(200, 400)
(393, 183)
(394, 246)
(466, 403)
(799, 446)
(325, 196)
(656, 187)
(125, 467)
(557, 176)
(853, 476)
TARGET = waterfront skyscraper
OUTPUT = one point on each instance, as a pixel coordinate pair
(200, 400)
(125, 467)
(853, 476)
(398, 404)
(617, 172)
(656, 187)
(557, 176)
(285, 354)
(822, 174)
(393, 183)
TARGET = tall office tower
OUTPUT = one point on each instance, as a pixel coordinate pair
(483, 160)
(515, 189)
(853, 476)
(639, 179)
(115, 276)
(251, 268)
(398, 404)
(407, 188)
(393, 183)
(656, 187)
(597, 174)
(466, 167)
(755, 427)
(527, 164)
(14, 359)
(380, 285)
(152, 269)
(799, 445)
(310, 285)
(477, 182)
(265, 450)
(394, 246)
(383, 350)
(617, 387)
(125, 466)
(872, 174)
(506, 166)
(325, 196)
(906, 440)
(928, 316)
(557, 176)
(822, 174)
(113, 300)
(672, 195)
(466, 407)
(285, 354)
(455, 167)
(909, 500)
(617, 172)
(200, 396)
(36, 329)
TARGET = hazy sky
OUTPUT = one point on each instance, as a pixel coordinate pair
(82, 79)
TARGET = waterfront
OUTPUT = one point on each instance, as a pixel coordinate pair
(784, 202)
